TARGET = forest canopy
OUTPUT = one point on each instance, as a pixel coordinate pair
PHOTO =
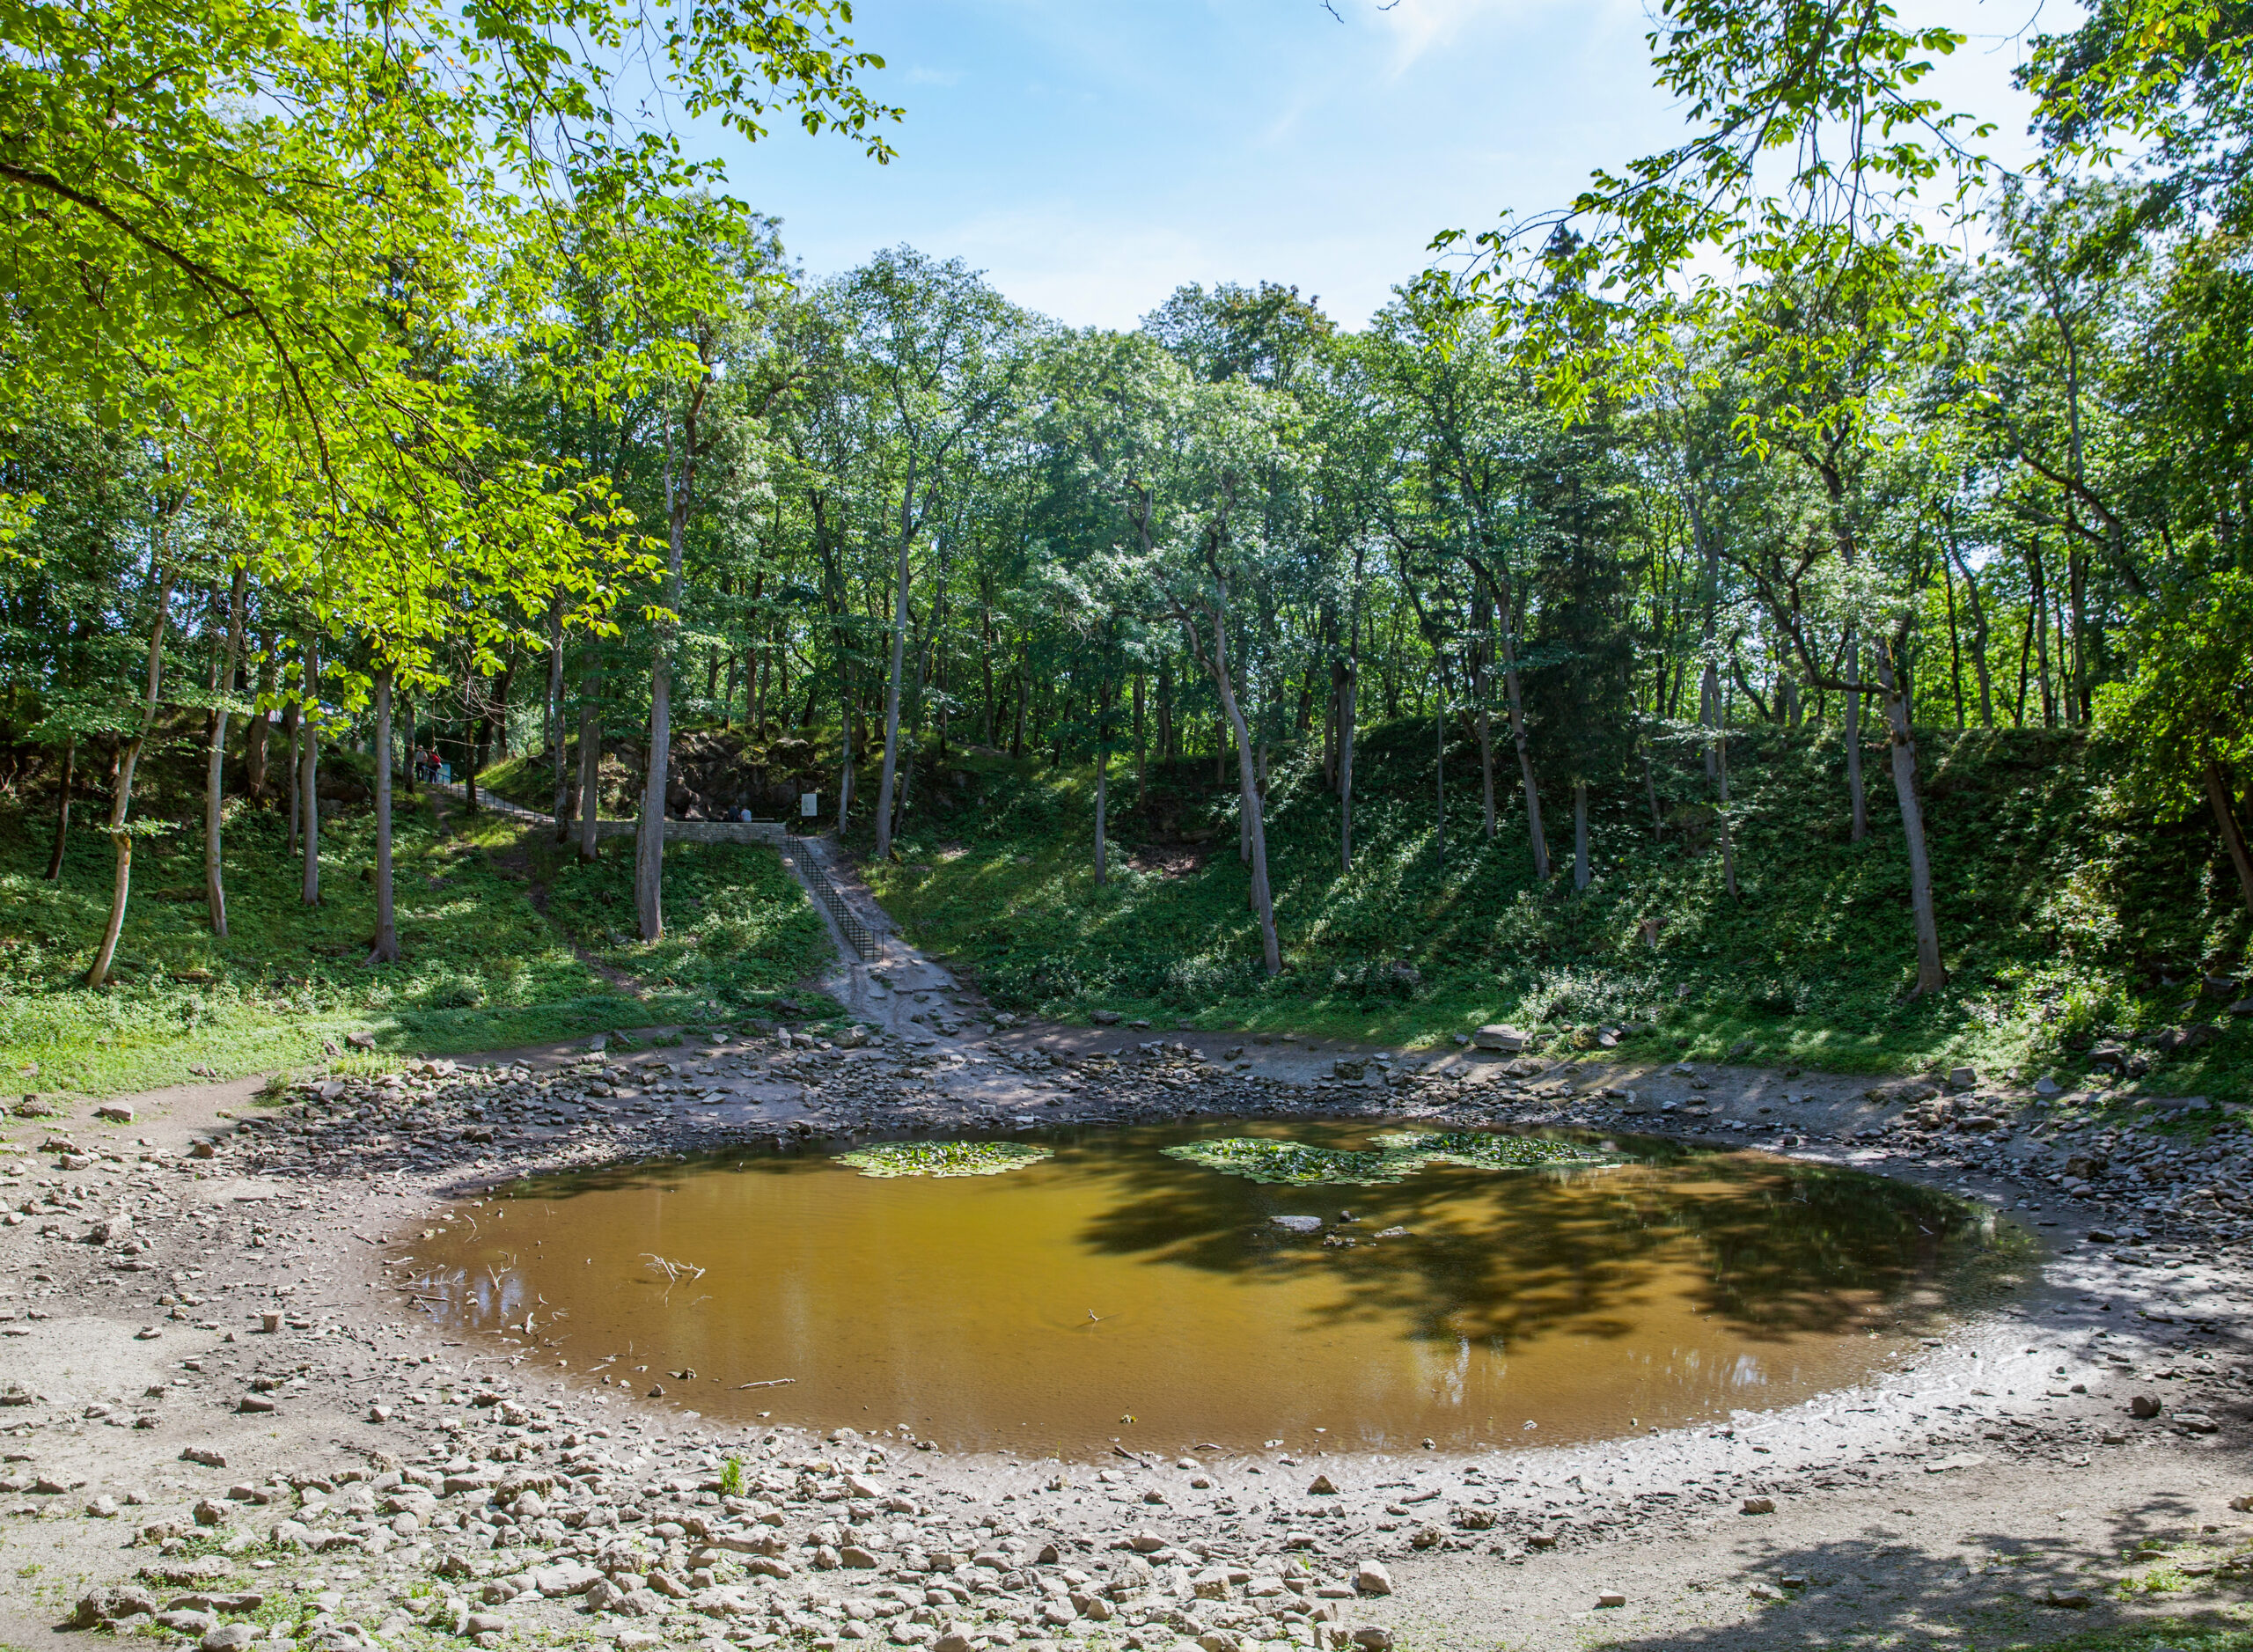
(385, 378)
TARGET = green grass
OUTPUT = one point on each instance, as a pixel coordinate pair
(739, 930)
(524, 779)
(481, 969)
(2062, 916)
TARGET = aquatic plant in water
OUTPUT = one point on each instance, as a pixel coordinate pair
(1398, 1154)
(1290, 1164)
(1486, 1150)
(943, 1159)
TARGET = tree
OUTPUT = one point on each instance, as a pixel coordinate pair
(2187, 713)
(931, 342)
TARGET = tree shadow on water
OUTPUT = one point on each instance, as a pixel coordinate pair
(1773, 1249)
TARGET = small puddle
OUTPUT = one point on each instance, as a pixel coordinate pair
(1115, 1294)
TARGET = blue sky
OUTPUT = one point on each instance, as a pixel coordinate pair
(1092, 155)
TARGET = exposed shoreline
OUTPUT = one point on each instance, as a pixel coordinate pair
(1984, 1437)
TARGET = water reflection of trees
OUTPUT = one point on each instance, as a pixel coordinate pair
(1773, 1248)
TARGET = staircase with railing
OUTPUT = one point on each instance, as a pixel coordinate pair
(857, 934)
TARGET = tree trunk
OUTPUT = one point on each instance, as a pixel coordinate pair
(1167, 749)
(309, 777)
(1242, 816)
(406, 733)
(255, 733)
(1483, 622)
(554, 709)
(2077, 585)
(1439, 763)
(63, 809)
(1262, 898)
(473, 730)
(1932, 975)
(1855, 791)
(494, 720)
(650, 833)
(1348, 697)
(1728, 839)
(1141, 749)
(121, 799)
(1579, 834)
(223, 683)
(1330, 724)
(887, 777)
(1709, 687)
(1954, 644)
(2041, 600)
(1978, 632)
(845, 724)
(591, 756)
(386, 948)
(292, 717)
(1525, 744)
(2232, 837)
(1024, 680)
(986, 664)
(1102, 804)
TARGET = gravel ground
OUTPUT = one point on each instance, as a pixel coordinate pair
(221, 1424)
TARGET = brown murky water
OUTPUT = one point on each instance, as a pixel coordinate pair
(1112, 1294)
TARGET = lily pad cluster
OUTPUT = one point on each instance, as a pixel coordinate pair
(1398, 1155)
(943, 1159)
(1486, 1150)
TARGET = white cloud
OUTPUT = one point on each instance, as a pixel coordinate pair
(1418, 25)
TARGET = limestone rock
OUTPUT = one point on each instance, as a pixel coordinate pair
(566, 1577)
(105, 1605)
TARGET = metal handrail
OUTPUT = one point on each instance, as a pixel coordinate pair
(856, 933)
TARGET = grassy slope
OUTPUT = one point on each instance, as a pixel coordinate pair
(739, 931)
(2059, 915)
(483, 969)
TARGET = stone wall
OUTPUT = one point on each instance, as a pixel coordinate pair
(702, 831)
